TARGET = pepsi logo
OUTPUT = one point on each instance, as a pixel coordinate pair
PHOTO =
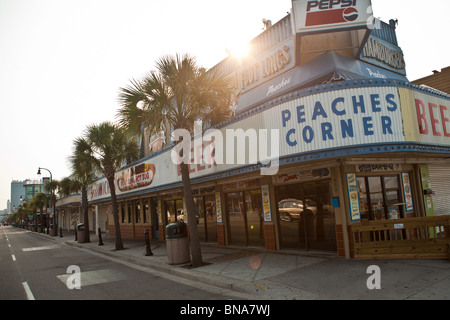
(350, 14)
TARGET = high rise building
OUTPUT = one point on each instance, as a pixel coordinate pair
(17, 194)
(24, 191)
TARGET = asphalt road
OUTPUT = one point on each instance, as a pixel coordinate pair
(35, 267)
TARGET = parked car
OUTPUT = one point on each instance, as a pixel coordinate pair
(290, 209)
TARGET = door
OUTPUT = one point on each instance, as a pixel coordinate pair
(305, 216)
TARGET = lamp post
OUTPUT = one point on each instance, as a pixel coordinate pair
(52, 202)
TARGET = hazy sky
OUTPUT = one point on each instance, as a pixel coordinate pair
(63, 61)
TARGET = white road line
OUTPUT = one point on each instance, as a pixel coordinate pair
(13, 257)
(94, 277)
(28, 291)
(40, 248)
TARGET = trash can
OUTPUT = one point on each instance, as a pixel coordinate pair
(52, 229)
(177, 243)
(80, 233)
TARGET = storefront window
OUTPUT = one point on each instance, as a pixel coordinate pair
(244, 211)
(130, 212)
(122, 209)
(380, 197)
(206, 219)
(174, 210)
(145, 211)
(137, 211)
(170, 208)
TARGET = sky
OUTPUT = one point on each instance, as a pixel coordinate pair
(62, 62)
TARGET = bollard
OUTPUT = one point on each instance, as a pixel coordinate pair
(100, 242)
(148, 250)
(76, 238)
(60, 232)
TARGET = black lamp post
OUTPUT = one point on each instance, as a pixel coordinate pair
(52, 203)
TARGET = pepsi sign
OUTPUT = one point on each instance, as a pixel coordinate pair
(320, 15)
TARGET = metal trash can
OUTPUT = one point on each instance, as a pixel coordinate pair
(177, 243)
(80, 233)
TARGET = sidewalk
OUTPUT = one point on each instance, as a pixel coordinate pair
(289, 275)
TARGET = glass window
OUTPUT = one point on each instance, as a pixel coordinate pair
(236, 221)
(170, 209)
(137, 212)
(130, 212)
(122, 209)
(380, 197)
(145, 211)
(180, 210)
(211, 218)
(253, 206)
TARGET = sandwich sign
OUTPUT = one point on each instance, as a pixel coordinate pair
(326, 15)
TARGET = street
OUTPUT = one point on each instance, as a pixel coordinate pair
(35, 267)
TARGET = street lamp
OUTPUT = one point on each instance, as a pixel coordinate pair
(53, 204)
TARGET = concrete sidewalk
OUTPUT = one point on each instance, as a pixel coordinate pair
(289, 275)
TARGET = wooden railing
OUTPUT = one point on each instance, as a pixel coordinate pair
(411, 238)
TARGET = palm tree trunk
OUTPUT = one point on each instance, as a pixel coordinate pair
(115, 207)
(196, 250)
(85, 214)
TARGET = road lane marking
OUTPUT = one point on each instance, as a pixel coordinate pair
(39, 248)
(28, 291)
(89, 278)
(13, 257)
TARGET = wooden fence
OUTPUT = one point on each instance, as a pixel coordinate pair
(411, 238)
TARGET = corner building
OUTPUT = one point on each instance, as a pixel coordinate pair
(357, 143)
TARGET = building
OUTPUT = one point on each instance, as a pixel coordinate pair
(439, 80)
(348, 141)
(17, 194)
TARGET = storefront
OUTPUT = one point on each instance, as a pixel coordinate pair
(346, 141)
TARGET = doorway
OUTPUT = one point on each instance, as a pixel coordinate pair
(306, 217)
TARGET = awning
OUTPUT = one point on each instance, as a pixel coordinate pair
(328, 67)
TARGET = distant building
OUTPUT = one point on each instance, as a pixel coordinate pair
(438, 80)
(17, 194)
(24, 191)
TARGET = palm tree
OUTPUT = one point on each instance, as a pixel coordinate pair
(68, 186)
(51, 187)
(82, 166)
(107, 147)
(177, 94)
(40, 201)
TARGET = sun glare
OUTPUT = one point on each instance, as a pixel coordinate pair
(238, 50)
